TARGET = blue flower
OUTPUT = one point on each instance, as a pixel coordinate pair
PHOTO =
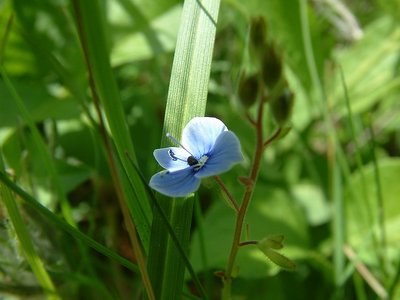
(208, 148)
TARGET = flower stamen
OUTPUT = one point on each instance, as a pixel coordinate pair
(178, 143)
(192, 161)
(200, 163)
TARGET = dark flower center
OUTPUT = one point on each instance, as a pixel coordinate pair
(192, 161)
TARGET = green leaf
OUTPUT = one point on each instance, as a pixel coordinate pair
(272, 242)
(278, 259)
(40, 146)
(159, 37)
(369, 67)
(313, 201)
(362, 211)
(38, 102)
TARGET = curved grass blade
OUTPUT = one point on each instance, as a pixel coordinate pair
(29, 200)
(25, 241)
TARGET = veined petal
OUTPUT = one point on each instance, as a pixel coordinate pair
(226, 152)
(175, 184)
(172, 158)
(200, 135)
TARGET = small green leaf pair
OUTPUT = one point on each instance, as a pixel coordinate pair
(268, 245)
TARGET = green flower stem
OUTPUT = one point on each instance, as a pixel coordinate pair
(230, 197)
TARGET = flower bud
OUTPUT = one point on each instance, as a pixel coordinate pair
(271, 66)
(258, 32)
(248, 89)
(281, 107)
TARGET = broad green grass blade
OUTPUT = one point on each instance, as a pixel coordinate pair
(187, 97)
(90, 25)
(59, 223)
(25, 241)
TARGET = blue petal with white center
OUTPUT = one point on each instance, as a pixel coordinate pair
(200, 134)
(175, 184)
(208, 148)
(225, 153)
(172, 158)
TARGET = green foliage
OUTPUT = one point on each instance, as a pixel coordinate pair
(269, 213)
(363, 212)
(328, 183)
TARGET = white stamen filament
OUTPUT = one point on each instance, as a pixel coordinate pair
(178, 143)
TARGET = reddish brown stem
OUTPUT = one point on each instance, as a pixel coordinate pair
(241, 244)
(226, 293)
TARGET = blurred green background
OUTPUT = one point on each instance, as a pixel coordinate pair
(330, 186)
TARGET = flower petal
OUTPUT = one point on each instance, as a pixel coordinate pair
(200, 134)
(226, 152)
(164, 157)
(175, 184)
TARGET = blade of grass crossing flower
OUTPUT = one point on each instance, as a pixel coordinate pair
(187, 98)
(174, 238)
(25, 241)
(202, 244)
(59, 223)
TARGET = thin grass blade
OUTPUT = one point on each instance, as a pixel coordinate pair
(25, 241)
(59, 223)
